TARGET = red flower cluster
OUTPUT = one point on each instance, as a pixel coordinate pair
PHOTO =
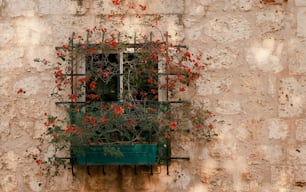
(116, 2)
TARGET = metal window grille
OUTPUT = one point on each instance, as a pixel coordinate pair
(113, 77)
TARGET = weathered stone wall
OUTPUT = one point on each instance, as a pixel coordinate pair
(256, 59)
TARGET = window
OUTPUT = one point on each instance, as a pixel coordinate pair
(120, 77)
(121, 96)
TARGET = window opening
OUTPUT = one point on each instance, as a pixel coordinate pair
(117, 78)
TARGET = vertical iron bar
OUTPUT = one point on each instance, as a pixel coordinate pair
(151, 36)
(103, 170)
(134, 41)
(71, 44)
(120, 54)
(103, 36)
(135, 169)
(119, 170)
(87, 39)
(167, 74)
(88, 171)
(118, 38)
(72, 63)
(168, 156)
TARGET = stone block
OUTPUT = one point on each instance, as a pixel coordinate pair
(33, 31)
(195, 9)
(301, 22)
(194, 35)
(221, 58)
(297, 154)
(16, 8)
(228, 29)
(270, 21)
(214, 84)
(62, 26)
(11, 58)
(5, 84)
(282, 176)
(57, 7)
(8, 183)
(241, 5)
(278, 129)
(297, 51)
(273, 153)
(300, 175)
(7, 33)
(300, 131)
(259, 103)
(10, 160)
(300, 3)
(152, 7)
(169, 23)
(228, 107)
(291, 98)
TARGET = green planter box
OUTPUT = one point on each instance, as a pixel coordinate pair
(132, 154)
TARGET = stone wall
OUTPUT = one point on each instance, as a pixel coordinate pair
(255, 85)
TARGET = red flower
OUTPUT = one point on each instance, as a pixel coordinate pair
(198, 126)
(172, 125)
(104, 30)
(92, 85)
(168, 136)
(150, 80)
(66, 47)
(105, 74)
(103, 107)
(91, 50)
(119, 110)
(81, 80)
(187, 54)
(154, 56)
(143, 7)
(182, 89)
(20, 90)
(210, 126)
(73, 97)
(164, 86)
(105, 119)
(128, 106)
(131, 6)
(113, 43)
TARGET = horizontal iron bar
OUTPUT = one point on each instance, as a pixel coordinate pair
(69, 102)
(83, 74)
(74, 74)
(181, 158)
(158, 102)
(129, 45)
(63, 158)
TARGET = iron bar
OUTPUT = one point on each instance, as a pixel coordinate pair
(128, 45)
(181, 158)
(70, 102)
